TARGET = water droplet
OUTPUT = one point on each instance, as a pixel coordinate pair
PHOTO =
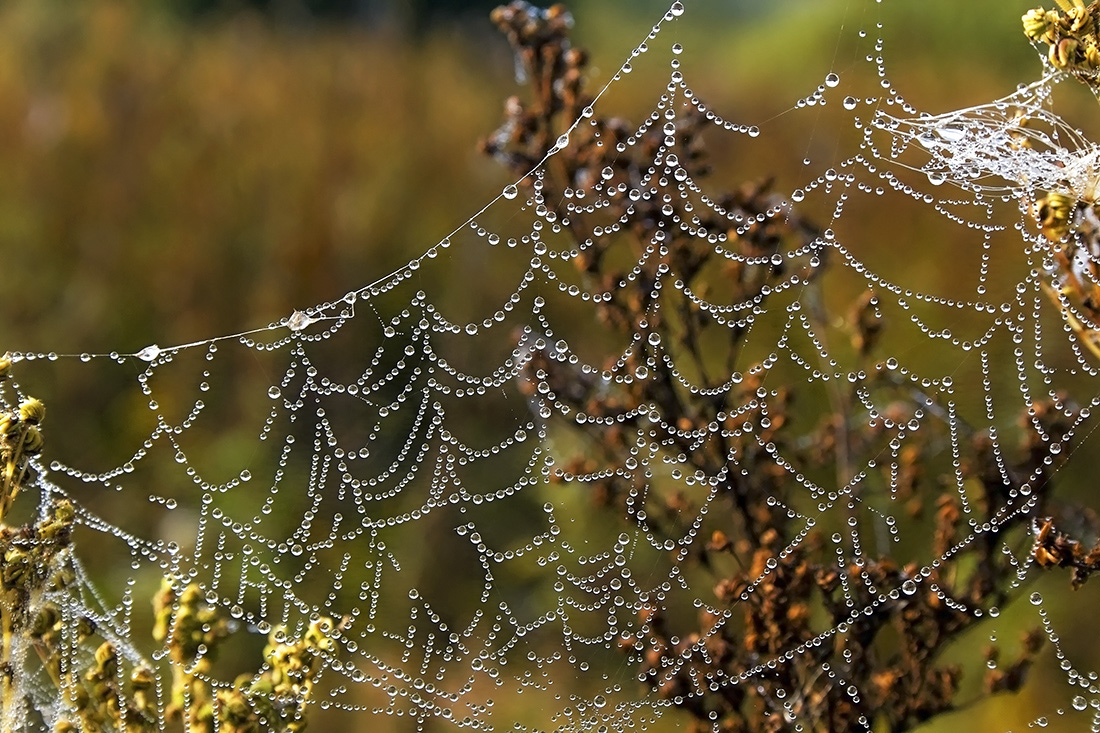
(274, 393)
(299, 321)
(952, 132)
(850, 102)
(149, 353)
(510, 192)
(832, 80)
(909, 587)
(1036, 598)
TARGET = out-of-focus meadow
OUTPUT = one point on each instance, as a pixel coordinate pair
(167, 177)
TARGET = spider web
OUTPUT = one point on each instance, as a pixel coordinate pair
(422, 452)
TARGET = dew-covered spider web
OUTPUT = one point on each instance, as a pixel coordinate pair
(696, 449)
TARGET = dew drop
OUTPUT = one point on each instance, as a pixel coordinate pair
(832, 80)
(298, 321)
(510, 192)
(149, 353)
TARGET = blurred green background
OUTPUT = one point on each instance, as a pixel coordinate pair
(171, 172)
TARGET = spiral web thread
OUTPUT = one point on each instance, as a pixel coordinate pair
(442, 453)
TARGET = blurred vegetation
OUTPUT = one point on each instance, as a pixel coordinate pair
(170, 173)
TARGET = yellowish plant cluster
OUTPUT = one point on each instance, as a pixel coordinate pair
(20, 438)
(34, 572)
(1072, 222)
(1071, 36)
(274, 699)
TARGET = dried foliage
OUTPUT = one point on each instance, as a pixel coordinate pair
(799, 649)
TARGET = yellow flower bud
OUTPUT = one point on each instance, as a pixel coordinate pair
(32, 411)
(1036, 21)
(106, 656)
(1062, 54)
(1055, 212)
(85, 627)
(1079, 18)
(32, 440)
(142, 678)
(44, 620)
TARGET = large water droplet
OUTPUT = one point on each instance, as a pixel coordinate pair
(298, 321)
(149, 353)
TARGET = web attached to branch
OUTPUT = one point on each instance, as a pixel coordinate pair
(683, 454)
